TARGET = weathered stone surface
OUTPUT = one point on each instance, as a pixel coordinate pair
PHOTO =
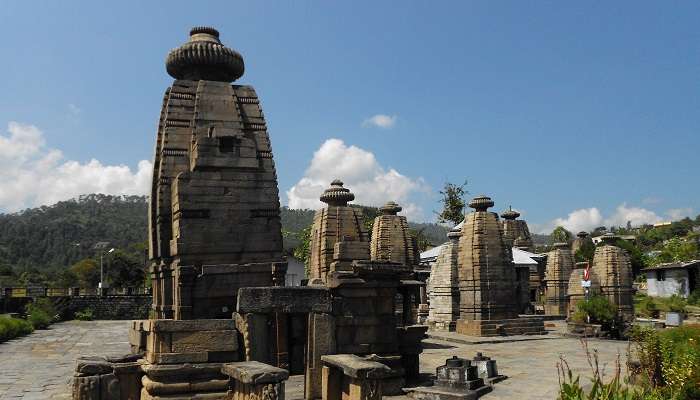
(214, 198)
(92, 365)
(443, 287)
(192, 342)
(291, 299)
(357, 367)
(166, 325)
(613, 270)
(254, 372)
(335, 223)
(391, 238)
(486, 274)
(515, 229)
(560, 263)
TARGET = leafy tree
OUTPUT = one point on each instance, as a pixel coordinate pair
(675, 250)
(87, 271)
(453, 203)
(560, 234)
(303, 251)
(421, 240)
(638, 259)
(123, 269)
(585, 252)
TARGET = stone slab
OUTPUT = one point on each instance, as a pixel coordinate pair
(357, 367)
(254, 372)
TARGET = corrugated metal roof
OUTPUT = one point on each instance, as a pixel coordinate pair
(520, 257)
(674, 265)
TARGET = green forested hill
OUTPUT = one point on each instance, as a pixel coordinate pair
(58, 236)
(61, 234)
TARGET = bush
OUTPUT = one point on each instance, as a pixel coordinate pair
(12, 327)
(645, 306)
(598, 308)
(85, 315)
(41, 313)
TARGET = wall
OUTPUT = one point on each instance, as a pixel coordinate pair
(123, 307)
(675, 282)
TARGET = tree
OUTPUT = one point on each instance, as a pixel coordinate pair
(585, 252)
(422, 241)
(638, 260)
(676, 250)
(88, 272)
(303, 250)
(123, 269)
(560, 234)
(452, 203)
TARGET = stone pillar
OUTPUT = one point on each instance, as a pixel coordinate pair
(321, 341)
(183, 285)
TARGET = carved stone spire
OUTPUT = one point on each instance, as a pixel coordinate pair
(390, 208)
(337, 195)
(510, 214)
(203, 57)
(481, 203)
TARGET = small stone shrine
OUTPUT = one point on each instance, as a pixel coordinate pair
(613, 270)
(460, 379)
(444, 286)
(560, 262)
(576, 292)
(337, 231)
(514, 228)
(488, 300)
(391, 238)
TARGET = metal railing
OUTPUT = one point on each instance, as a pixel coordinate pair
(16, 292)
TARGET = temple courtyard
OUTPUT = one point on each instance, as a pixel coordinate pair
(41, 365)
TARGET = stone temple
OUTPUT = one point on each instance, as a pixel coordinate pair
(613, 271)
(223, 326)
(487, 281)
(214, 207)
(560, 263)
(444, 286)
(515, 229)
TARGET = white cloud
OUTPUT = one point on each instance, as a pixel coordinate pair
(676, 214)
(587, 219)
(380, 121)
(635, 215)
(583, 219)
(359, 169)
(33, 175)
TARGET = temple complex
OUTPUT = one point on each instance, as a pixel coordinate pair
(488, 300)
(333, 224)
(214, 205)
(613, 270)
(560, 263)
(515, 229)
(444, 286)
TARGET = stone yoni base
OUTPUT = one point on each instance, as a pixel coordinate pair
(501, 327)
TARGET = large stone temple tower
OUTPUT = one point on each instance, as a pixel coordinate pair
(488, 301)
(613, 270)
(214, 209)
(560, 263)
(391, 239)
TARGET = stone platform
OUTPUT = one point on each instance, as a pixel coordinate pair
(500, 327)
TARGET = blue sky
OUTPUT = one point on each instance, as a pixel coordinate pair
(553, 107)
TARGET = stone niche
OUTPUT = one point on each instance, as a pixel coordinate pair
(488, 300)
(560, 262)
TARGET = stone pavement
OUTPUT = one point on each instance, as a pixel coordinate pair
(40, 366)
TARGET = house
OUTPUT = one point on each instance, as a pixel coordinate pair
(665, 280)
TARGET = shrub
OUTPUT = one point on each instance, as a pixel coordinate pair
(41, 313)
(13, 327)
(85, 315)
(598, 308)
(645, 306)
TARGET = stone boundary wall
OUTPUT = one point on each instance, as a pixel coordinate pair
(118, 307)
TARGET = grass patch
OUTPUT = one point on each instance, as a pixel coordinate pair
(10, 328)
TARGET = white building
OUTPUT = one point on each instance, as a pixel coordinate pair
(665, 280)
